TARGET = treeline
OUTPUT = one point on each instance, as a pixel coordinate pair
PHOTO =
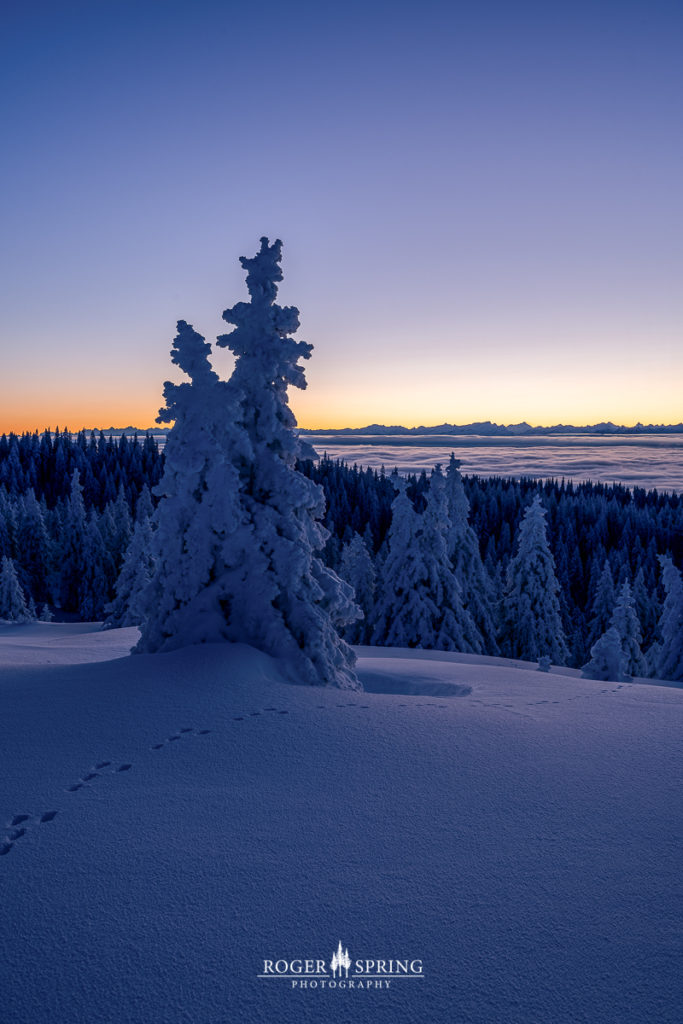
(45, 463)
(600, 537)
(69, 506)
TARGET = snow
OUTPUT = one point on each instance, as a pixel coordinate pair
(521, 837)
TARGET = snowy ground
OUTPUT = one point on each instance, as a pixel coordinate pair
(520, 836)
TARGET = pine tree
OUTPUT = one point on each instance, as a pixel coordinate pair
(608, 661)
(127, 608)
(531, 618)
(462, 548)
(70, 554)
(93, 584)
(456, 628)
(603, 604)
(33, 546)
(669, 662)
(238, 526)
(418, 602)
(198, 516)
(625, 621)
(647, 606)
(13, 607)
(297, 603)
(45, 614)
(357, 569)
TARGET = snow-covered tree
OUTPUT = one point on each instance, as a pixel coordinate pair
(297, 605)
(199, 545)
(418, 602)
(93, 585)
(625, 621)
(70, 555)
(608, 661)
(33, 546)
(238, 526)
(13, 606)
(358, 570)
(603, 604)
(462, 548)
(531, 616)
(127, 608)
(669, 661)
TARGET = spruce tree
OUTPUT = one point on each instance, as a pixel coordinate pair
(358, 570)
(625, 621)
(418, 602)
(405, 611)
(13, 606)
(199, 545)
(531, 616)
(237, 525)
(70, 552)
(297, 604)
(669, 662)
(603, 604)
(462, 548)
(127, 608)
(608, 661)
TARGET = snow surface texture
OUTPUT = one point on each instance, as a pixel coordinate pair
(171, 821)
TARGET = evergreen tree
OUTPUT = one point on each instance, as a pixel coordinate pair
(462, 548)
(33, 546)
(625, 621)
(608, 661)
(127, 608)
(70, 556)
(531, 618)
(357, 569)
(647, 606)
(603, 604)
(238, 526)
(298, 604)
(93, 584)
(405, 611)
(419, 603)
(198, 517)
(669, 662)
(13, 607)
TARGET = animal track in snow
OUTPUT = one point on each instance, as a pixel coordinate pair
(17, 829)
(187, 730)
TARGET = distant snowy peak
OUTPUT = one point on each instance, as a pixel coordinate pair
(487, 428)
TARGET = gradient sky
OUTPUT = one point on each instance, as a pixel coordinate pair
(481, 204)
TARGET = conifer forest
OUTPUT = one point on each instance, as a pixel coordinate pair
(436, 561)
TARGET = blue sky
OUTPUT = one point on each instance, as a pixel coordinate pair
(480, 205)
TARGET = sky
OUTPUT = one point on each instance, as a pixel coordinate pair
(480, 204)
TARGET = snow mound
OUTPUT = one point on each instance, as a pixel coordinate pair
(396, 675)
(62, 643)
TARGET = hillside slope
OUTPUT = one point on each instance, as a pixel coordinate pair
(520, 836)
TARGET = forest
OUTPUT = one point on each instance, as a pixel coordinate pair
(77, 514)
